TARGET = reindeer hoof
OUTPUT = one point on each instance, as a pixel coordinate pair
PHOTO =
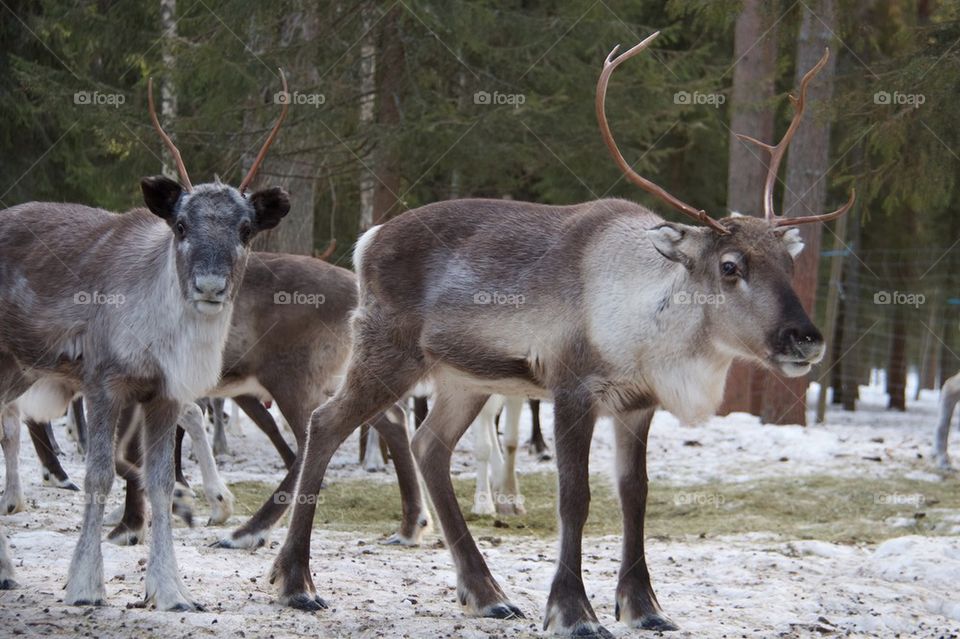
(187, 607)
(658, 623)
(305, 602)
(592, 630)
(503, 611)
(86, 602)
(123, 536)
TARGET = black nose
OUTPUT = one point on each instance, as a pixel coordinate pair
(798, 337)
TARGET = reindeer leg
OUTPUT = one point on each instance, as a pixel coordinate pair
(220, 446)
(949, 396)
(163, 584)
(508, 499)
(537, 445)
(391, 425)
(361, 397)
(130, 530)
(7, 581)
(453, 411)
(45, 445)
(85, 580)
(637, 605)
(568, 609)
(257, 412)
(12, 501)
(484, 445)
(76, 420)
(372, 457)
(214, 489)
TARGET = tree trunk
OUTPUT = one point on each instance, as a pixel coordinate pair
(168, 94)
(386, 190)
(849, 364)
(368, 72)
(294, 171)
(897, 368)
(805, 194)
(832, 311)
(750, 114)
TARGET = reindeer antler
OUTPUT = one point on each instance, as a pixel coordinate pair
(174, 151)
(609, 65)
(777, 152)
(270, 138)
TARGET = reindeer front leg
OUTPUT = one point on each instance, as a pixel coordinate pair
(568, 610)
(164, 587)
(637, 605)
(949, 396)
(85, 579)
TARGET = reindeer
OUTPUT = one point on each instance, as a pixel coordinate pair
(949, 396)
(601, 333)
(128, 309)
(498, 489)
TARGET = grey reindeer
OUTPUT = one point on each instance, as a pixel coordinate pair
(614, 323)
(949, 396)
(127, 309)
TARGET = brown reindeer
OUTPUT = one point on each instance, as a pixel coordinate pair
(622, 313)
(128, 309)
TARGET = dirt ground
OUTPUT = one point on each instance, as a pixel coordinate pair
(751, 584)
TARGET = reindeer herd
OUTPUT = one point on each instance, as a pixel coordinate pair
(600, 334)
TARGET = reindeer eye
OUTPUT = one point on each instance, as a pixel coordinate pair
(181, 230)
(729, 268)
(245, 232)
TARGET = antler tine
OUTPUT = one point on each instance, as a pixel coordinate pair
(777, 152)
(174, 151)
(266, 145)
(826, 217)
(609, 65)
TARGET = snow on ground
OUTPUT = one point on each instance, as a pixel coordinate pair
(756, 585)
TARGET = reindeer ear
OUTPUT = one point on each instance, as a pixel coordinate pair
(160, 194)
(792, 240)
(677, 242)
(271, 205)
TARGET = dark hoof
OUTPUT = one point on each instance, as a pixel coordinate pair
(7, 584)
(87, 602)
(658, 623)
(592, 631)
(305, 602)
(504, 611)
(11, 508)
(71, 486)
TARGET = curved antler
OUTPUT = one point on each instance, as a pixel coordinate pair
(609, 65)
(174, 151)
(777, 152)
(270, 138)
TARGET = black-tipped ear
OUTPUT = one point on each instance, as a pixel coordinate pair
(270, 206)
(160, 194)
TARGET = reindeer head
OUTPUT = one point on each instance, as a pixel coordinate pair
(212, 224)
(746, 262)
